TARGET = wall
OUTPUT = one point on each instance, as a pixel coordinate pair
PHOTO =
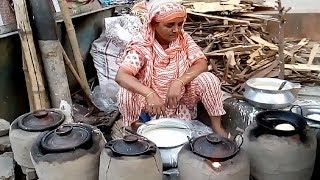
(13, 95)
(301, 6)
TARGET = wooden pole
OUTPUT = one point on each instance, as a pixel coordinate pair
(281, 19)
(74, 42)
(74, 72)
(28, 84)
(39, 95)
(51, 54)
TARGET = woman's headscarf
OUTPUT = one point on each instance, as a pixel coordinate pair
(146, 45)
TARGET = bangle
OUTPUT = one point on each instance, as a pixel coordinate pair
(149, 94)
(182, 82)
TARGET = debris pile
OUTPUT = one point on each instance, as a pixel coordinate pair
(236, 42)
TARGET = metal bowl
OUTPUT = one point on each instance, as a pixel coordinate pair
(263, 93)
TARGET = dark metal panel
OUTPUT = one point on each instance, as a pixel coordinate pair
(13, 94)
(43, 20)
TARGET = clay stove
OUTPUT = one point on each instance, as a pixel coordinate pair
(192, 166)
(280, 158)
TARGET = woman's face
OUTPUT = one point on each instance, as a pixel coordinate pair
(167, 32)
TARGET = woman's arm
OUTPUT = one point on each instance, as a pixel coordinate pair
(174, 92)
(194, 71)
(127, 80)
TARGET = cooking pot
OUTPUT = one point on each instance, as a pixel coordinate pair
(169, 134)
(307, 111)
(131, 145)
(263, 93)
(67, 138)
(70, 152)
(268, 120)
(132, 157)
(25, 130)
(214, 147)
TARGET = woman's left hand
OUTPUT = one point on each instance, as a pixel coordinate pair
(174, 94)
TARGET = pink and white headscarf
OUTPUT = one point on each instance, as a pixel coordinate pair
(158, 11)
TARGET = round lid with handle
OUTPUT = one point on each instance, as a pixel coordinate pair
(215, 147)
(41, 120)
(131, 145)
(66, 138)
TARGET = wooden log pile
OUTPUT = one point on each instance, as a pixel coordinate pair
(239, 48)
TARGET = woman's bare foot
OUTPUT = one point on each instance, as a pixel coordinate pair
(216, 126)
(221, 132)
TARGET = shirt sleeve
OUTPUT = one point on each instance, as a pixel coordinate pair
(194, 52)
(132, 62)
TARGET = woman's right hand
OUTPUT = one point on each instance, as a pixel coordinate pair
(155, 105)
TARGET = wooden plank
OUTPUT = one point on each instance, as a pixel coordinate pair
(266, 71)
(303, 67)
(302, 43)
(263, 42)
(313, 53)
(256, 53)
(258, 16)
(203, 7)
(230, 55)
(236, 48)
(218, 17)
(248, 39)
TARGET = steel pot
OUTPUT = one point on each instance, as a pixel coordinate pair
(169, 135)
(268, 120)
(263, 93)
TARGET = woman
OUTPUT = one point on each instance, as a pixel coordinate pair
(165, 73)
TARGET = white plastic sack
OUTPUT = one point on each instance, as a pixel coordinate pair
(111, 45)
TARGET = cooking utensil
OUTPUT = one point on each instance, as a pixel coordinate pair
(169, 134)
(264, 93)
(307, 110)
(41, 120)
(67, 138)
(282, 85)
(268, 120)
(131, 145)
(214, 147)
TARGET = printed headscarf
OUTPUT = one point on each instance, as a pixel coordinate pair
(146, 44)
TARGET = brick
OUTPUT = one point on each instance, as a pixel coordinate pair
(4, 127)
(5, 145)
(7, 166)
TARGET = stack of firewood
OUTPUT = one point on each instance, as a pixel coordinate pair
(239, 47)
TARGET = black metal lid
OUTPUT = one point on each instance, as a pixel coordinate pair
(214, 147)
(130, 145)
(67, 138)
(41, 120)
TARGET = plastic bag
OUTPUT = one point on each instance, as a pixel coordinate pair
(104, 96)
